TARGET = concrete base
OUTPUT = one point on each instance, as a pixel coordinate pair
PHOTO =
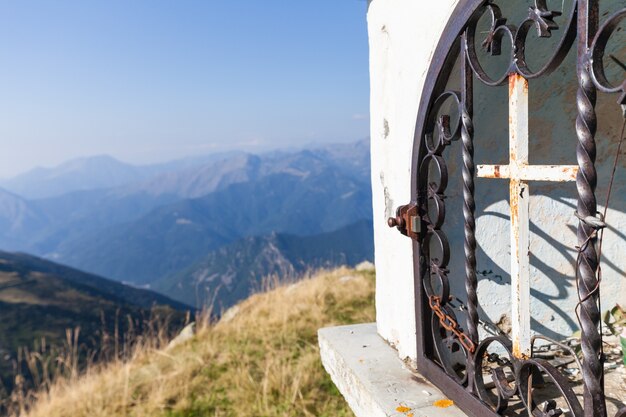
(373, 380)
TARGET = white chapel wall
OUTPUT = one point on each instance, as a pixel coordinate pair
(403, 35)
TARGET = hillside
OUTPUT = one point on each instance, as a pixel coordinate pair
(18, 218)
(40, 299)
(231, 273)
(261, 359)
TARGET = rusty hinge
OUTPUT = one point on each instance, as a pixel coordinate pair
(407, 221)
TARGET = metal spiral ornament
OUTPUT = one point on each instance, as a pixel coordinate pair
(587, 263)
(451, 356)
(469, 205)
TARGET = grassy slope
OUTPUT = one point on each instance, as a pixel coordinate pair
(261, 361)
(40, 299)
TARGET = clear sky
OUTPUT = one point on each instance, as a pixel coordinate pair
(151, 80)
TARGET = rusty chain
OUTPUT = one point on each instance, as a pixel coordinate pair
(450, 324)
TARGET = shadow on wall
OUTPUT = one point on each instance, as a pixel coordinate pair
(553, 252)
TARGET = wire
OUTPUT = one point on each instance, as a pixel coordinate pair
(582, 247)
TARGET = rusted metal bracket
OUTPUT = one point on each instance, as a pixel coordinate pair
(407, 221)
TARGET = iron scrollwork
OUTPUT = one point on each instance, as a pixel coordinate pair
(539, 17)
(597, 54)
(461, 359)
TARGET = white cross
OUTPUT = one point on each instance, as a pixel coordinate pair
(519, 173)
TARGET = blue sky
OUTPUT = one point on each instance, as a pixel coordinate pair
(151, 80)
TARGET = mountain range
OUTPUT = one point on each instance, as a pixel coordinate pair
(146, 224)
(93, 173)
(233, 272)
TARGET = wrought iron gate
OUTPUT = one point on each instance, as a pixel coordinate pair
(439, 333)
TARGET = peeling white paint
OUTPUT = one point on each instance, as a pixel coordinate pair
(401, 46)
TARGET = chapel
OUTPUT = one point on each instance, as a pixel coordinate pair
(499, 197)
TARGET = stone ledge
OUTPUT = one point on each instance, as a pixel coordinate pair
(371, 377)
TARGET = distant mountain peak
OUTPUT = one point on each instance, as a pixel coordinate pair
(85, 173)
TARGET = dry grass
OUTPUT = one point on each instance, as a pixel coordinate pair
(261, 359)
(46, 367)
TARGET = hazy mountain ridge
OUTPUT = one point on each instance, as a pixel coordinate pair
(18, 219)
(183, 177)
(75, 214)
(173, 236)
(68, 216)
(198, 181)
(81, 227)
(147, 230)
(231, 273)
(97, 172)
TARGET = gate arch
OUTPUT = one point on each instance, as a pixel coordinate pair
(450, 353)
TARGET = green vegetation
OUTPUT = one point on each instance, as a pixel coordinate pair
(615, 320)
(260, 359)
(40, 301)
